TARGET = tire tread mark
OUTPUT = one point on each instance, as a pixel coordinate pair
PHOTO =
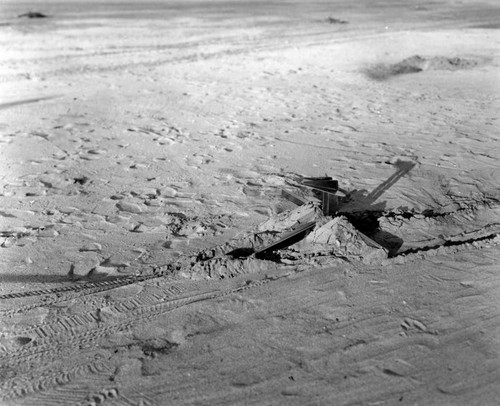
(73, 288)
(46, 329)
(21, 386)
(55, 346)
(51, 345)
(89, 287)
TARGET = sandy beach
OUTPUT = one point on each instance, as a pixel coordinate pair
(148, 152)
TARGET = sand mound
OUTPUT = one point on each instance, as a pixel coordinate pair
(417, 63)
(288, 219)
(332, 239)
(32, 14)
(338, 237)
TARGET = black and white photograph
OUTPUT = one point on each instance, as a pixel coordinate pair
(232, 203)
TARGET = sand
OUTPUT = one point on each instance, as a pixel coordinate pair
(144, 149)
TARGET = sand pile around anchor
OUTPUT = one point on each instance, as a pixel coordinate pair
(338, 237)
(226, 267)
(332, 239)
(288, 219)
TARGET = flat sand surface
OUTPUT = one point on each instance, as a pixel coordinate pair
(144, 148)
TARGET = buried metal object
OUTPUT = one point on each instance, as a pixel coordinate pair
(323, 187)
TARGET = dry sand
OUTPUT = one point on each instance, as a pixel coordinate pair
(141, 142)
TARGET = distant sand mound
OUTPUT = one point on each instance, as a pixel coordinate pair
(417, 63)
(32, 14)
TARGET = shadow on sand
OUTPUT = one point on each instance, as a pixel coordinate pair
(39, 278)
(8, 105)
(363, 210)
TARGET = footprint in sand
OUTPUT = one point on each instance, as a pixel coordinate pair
(165, 140)
(59, 184)
(130, 207)
(198, 159)
(91, 247)
(150, 224)
(172, 136)
(92, 154)
(167, 134)
(145, 130)
(120, 220)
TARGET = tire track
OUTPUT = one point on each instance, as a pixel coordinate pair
(29, 384)
(53, 296)
(60, 340)
(91, 287)
(71, 324)
(54, 337)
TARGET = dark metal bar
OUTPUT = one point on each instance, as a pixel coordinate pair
(285, 239)
(293, 198)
